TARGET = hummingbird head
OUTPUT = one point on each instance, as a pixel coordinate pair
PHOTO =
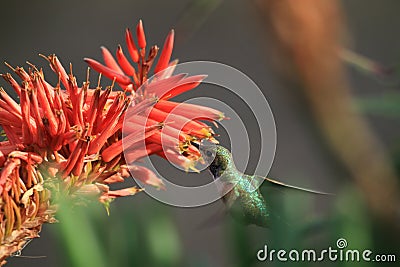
(219, 159)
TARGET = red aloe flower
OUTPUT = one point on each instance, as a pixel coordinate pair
(181, 122)
(66, 139)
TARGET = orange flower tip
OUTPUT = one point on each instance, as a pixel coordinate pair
(140, 35)
(206, 132)
(213, 140)
(188, 164)
(193, 168)
(174, 62)
(201, 160)
(139, 189)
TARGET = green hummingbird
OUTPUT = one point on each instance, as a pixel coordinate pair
(240, 192)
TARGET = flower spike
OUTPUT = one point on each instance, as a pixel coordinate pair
(133, 51)
(140, 35)
(67, 139)
(166, 53)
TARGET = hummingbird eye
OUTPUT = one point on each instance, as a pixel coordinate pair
(209, 154)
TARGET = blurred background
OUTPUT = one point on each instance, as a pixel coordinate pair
(337, 116)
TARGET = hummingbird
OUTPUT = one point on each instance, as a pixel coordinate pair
(240, 192)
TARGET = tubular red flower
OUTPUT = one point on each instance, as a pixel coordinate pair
(123, 192)
(178, 159)
(7, 171)
(140, 35)
(137, 151)
(202, 113)
(173, 86)
(179, 122)
(116, 148)
(56, 66)
(98, 142)
(48, 114)
(133, 51)
(146, 176)
(166, 140)
(29, 157)
(110, 73)
(78, 167)
(38, 118)
(110, 61)
(124, 63)
(10, 119)
(177, 90)
(10, 102)
(180, 135)
(27, 128)
(8, 78)
(166, 53)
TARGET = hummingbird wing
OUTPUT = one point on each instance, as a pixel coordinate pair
(283, 185)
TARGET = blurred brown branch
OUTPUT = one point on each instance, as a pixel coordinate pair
(308, 34)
